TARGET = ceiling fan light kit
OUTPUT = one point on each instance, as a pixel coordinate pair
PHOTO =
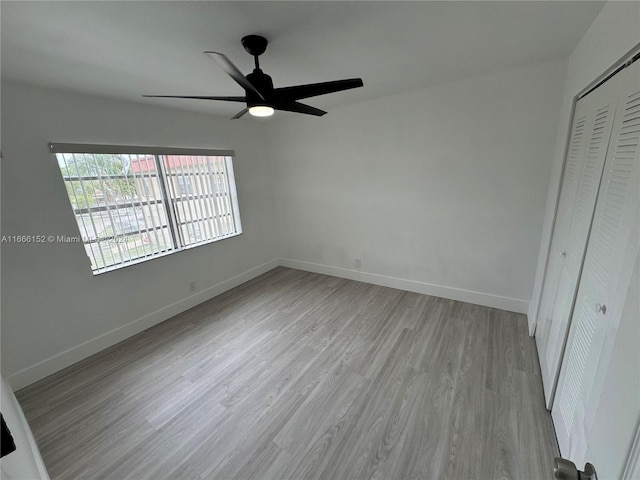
(260, 97)
(261, 111)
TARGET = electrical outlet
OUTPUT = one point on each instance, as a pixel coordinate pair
(193, 286)
(357, 263)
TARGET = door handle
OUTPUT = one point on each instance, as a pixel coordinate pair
(564, 469)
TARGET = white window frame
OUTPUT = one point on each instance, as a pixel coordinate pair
(168, 196)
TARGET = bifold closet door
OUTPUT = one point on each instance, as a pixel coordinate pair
(614, 246)
(590, 134)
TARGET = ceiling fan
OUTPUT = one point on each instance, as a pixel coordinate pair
(260, 96)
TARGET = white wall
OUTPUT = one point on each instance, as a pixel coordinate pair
(54, 311)
(614, 32)
(441, 190)
(25, 463)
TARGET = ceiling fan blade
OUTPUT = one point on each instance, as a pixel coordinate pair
(227, 99)
(299, 92)
(239, 114)
(233, 71)
(299, 108)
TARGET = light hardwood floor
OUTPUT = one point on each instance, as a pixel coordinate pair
(295, 375)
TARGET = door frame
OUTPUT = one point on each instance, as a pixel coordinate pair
(632, 467)
(621, 63)
(626, 60)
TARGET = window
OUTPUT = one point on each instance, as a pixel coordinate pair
(137, 203)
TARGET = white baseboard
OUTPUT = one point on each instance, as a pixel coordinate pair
(532, 314)
(495, 301)
(50, 365)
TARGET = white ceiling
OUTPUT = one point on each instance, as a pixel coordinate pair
(127, 49)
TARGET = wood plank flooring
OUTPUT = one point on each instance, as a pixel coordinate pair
(295, 375)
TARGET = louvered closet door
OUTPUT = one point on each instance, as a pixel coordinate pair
(614, 245)
(572, 172)
(583, 170)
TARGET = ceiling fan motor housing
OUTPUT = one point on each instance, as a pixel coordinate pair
(264, 84)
